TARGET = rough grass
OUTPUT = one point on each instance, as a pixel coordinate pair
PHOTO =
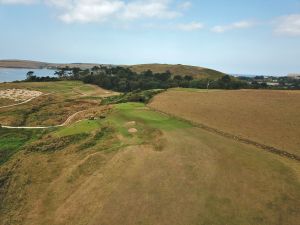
(136, 96)
(11, 141)
(194, 90)
(5, 102)
(195, 178)
(267, 117)
(65, 99)
(182, 70)
(66, 88)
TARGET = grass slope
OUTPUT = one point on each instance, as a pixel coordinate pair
(169, 172)
(267, 117)
(62, 99)
(182, 70)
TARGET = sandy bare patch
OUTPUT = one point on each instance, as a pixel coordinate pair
(132, 130)
(19, 94)
(130, 124)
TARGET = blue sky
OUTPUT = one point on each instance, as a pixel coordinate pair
(234, 36)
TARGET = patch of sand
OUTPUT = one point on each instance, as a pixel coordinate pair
(132, 130)
(19, 94)
(130, 124)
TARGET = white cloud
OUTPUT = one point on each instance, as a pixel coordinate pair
(185, 5)
(90, 11)
(103, 10)
(233, 26)
(288, 25)
(190, 26)
(17, 1)
(151, 9)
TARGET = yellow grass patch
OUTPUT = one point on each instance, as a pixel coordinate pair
(268, 117)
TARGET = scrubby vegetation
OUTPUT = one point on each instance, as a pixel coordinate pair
(11, 141)
(160, 76)
(123, 79)
(52, 144)
(135, 96)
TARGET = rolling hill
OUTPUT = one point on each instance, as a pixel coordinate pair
(182, 70)
(26, 64)
(131, 164)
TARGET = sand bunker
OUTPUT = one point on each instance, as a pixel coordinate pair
(132, 130)
(130, 124)
(19, 94)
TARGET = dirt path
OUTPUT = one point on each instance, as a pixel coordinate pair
(68, 120)
(21, 103)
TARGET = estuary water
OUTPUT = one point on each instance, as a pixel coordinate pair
(9, 75)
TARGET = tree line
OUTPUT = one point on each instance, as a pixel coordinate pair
(123, 79)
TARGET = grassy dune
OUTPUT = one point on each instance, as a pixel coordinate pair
(268, 117)
(168, 172)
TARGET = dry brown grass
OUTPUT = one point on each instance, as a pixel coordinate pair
(182, 70)
(5, 102)
(268, 117)
(22, 64)
(197, 178)
(192, 178)
(63, 100)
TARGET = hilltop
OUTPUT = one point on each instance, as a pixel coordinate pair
(27, 64)
(178, 69)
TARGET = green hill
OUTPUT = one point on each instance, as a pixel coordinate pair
(183, 70)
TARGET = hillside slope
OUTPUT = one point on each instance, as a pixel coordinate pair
(263, 116)
(27, 64)
(183, 70)
(168, 172)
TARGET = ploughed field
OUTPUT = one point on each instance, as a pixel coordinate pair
(132, 165)
(267, 117)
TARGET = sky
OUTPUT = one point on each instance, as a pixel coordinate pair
(233, 36)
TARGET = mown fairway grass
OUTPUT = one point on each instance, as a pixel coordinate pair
(85, 126)
(139, 112)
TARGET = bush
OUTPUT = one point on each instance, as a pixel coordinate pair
(136, 96)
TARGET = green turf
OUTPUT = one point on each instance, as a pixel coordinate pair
(85, 126)
(11, 141)
(139, 112)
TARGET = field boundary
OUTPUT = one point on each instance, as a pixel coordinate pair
(270, 149)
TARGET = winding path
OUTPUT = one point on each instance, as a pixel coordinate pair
(46, 127)
(21, 103)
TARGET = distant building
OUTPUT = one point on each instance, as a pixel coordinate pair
(294, 76)
(272, 84)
